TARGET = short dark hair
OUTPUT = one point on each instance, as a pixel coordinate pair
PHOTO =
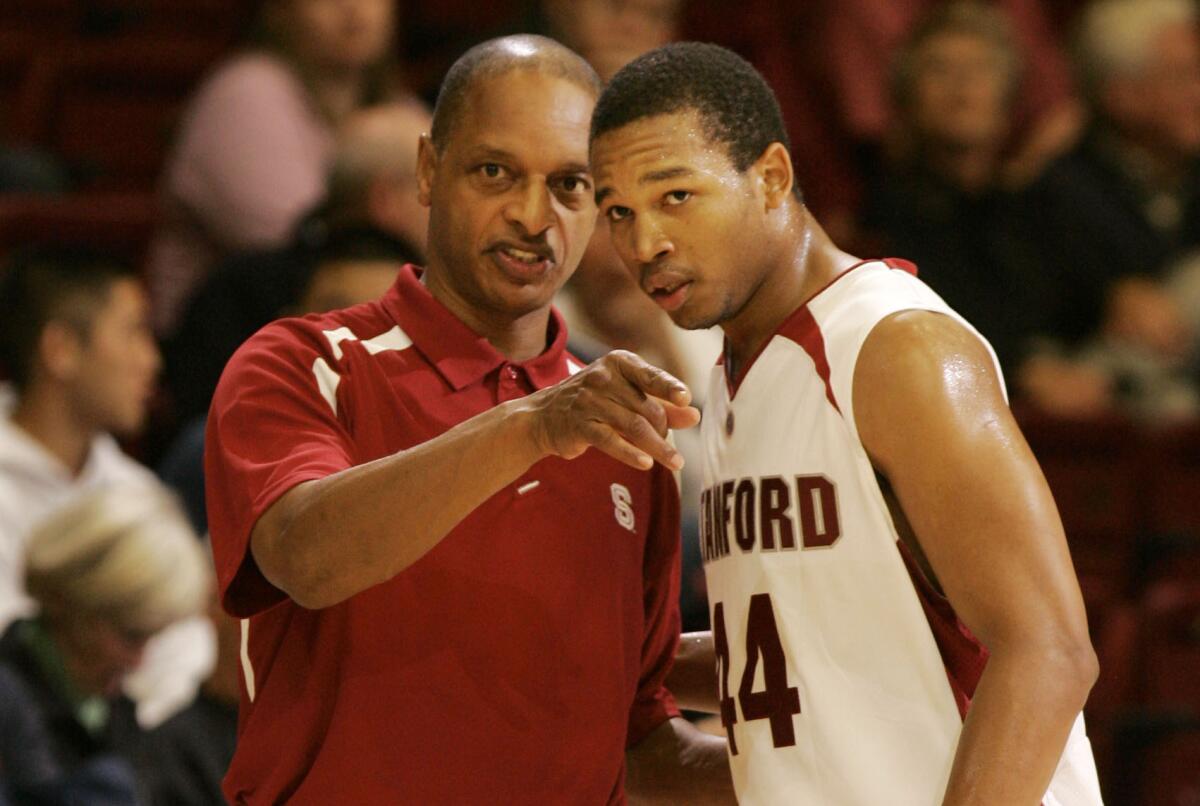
(735, 104)
(495, 58)
(44, 283)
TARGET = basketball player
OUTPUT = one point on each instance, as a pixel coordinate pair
(439, 607)
(861, 462)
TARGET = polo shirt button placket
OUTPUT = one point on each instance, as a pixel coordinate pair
(510, 387)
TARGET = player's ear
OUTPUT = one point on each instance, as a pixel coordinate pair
(775, 175)
(427, 159)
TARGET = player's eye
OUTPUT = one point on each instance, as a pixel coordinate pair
(491, 170)
(677, 197)
(618, 213)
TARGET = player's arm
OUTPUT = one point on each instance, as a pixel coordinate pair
(676, 763)
(931, 414)
(327, 539)
(693, 677)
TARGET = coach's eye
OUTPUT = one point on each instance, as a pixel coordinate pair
(677, 197)
(573, 184)
(618, 213)
(491, 170)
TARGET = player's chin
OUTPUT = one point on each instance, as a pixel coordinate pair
(693, 316)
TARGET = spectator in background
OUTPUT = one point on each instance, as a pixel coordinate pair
(371, 186)
(331, 269)
(611, 33)
(828, 62)
(373, 178)
(1113, 213)
(75, 338)
(107, 572)
(256, 144)
(184, 759)
(940, 201)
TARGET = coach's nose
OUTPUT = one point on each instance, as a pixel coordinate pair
(531, 209)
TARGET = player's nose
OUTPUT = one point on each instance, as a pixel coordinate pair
(650, 242)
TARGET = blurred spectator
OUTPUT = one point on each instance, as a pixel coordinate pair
(184, 759)
(373, 179)
(1113, 213)
(256, 143)
(940, 202)
(326, 269)
(370, 214)
(75, 338)
(829, 61)
(611, 33)
(107, 572)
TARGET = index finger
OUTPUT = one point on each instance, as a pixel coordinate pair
(652, 381)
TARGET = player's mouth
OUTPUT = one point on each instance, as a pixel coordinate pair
(669, 292)
(523, 263)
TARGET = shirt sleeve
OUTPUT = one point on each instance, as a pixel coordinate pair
(654, 704)
(272, 425)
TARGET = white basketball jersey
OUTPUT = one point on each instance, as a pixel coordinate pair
(843, 676)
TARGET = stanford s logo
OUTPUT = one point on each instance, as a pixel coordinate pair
(622, 509)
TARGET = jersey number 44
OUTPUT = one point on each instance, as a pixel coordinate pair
(777, 702)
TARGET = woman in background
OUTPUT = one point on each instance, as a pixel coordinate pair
(107, 573)
(257, 140)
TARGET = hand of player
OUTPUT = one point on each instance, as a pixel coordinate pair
(619, 404)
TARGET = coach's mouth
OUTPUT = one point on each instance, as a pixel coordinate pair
(523, 263)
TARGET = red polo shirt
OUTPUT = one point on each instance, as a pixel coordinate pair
(512, 663)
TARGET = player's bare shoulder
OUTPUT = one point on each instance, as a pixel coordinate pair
(922, 367)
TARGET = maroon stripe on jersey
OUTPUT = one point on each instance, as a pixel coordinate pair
(803, 329)
(901, 265)
(962, 654)
(790, 325)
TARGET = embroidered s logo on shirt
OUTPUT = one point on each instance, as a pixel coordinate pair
(622, 505)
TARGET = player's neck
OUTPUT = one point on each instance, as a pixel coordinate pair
(808, 263)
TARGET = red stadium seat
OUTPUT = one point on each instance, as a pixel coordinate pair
(1169, 772)
(1095, 470)
(47, 18)
(120, 223)
(1170, 652)
(221, 20)
(18, 50)
(109, 107)
(1174, 502)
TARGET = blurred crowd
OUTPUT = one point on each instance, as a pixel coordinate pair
(1038, 161)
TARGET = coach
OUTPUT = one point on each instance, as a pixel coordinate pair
(439, 607)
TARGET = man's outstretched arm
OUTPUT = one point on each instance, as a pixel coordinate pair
(932, 416)
(325, 540)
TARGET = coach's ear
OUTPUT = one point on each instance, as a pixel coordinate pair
(775, 176)
(427, 159)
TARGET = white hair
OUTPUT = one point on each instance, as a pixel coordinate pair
(123, 554)
(1118, 37)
